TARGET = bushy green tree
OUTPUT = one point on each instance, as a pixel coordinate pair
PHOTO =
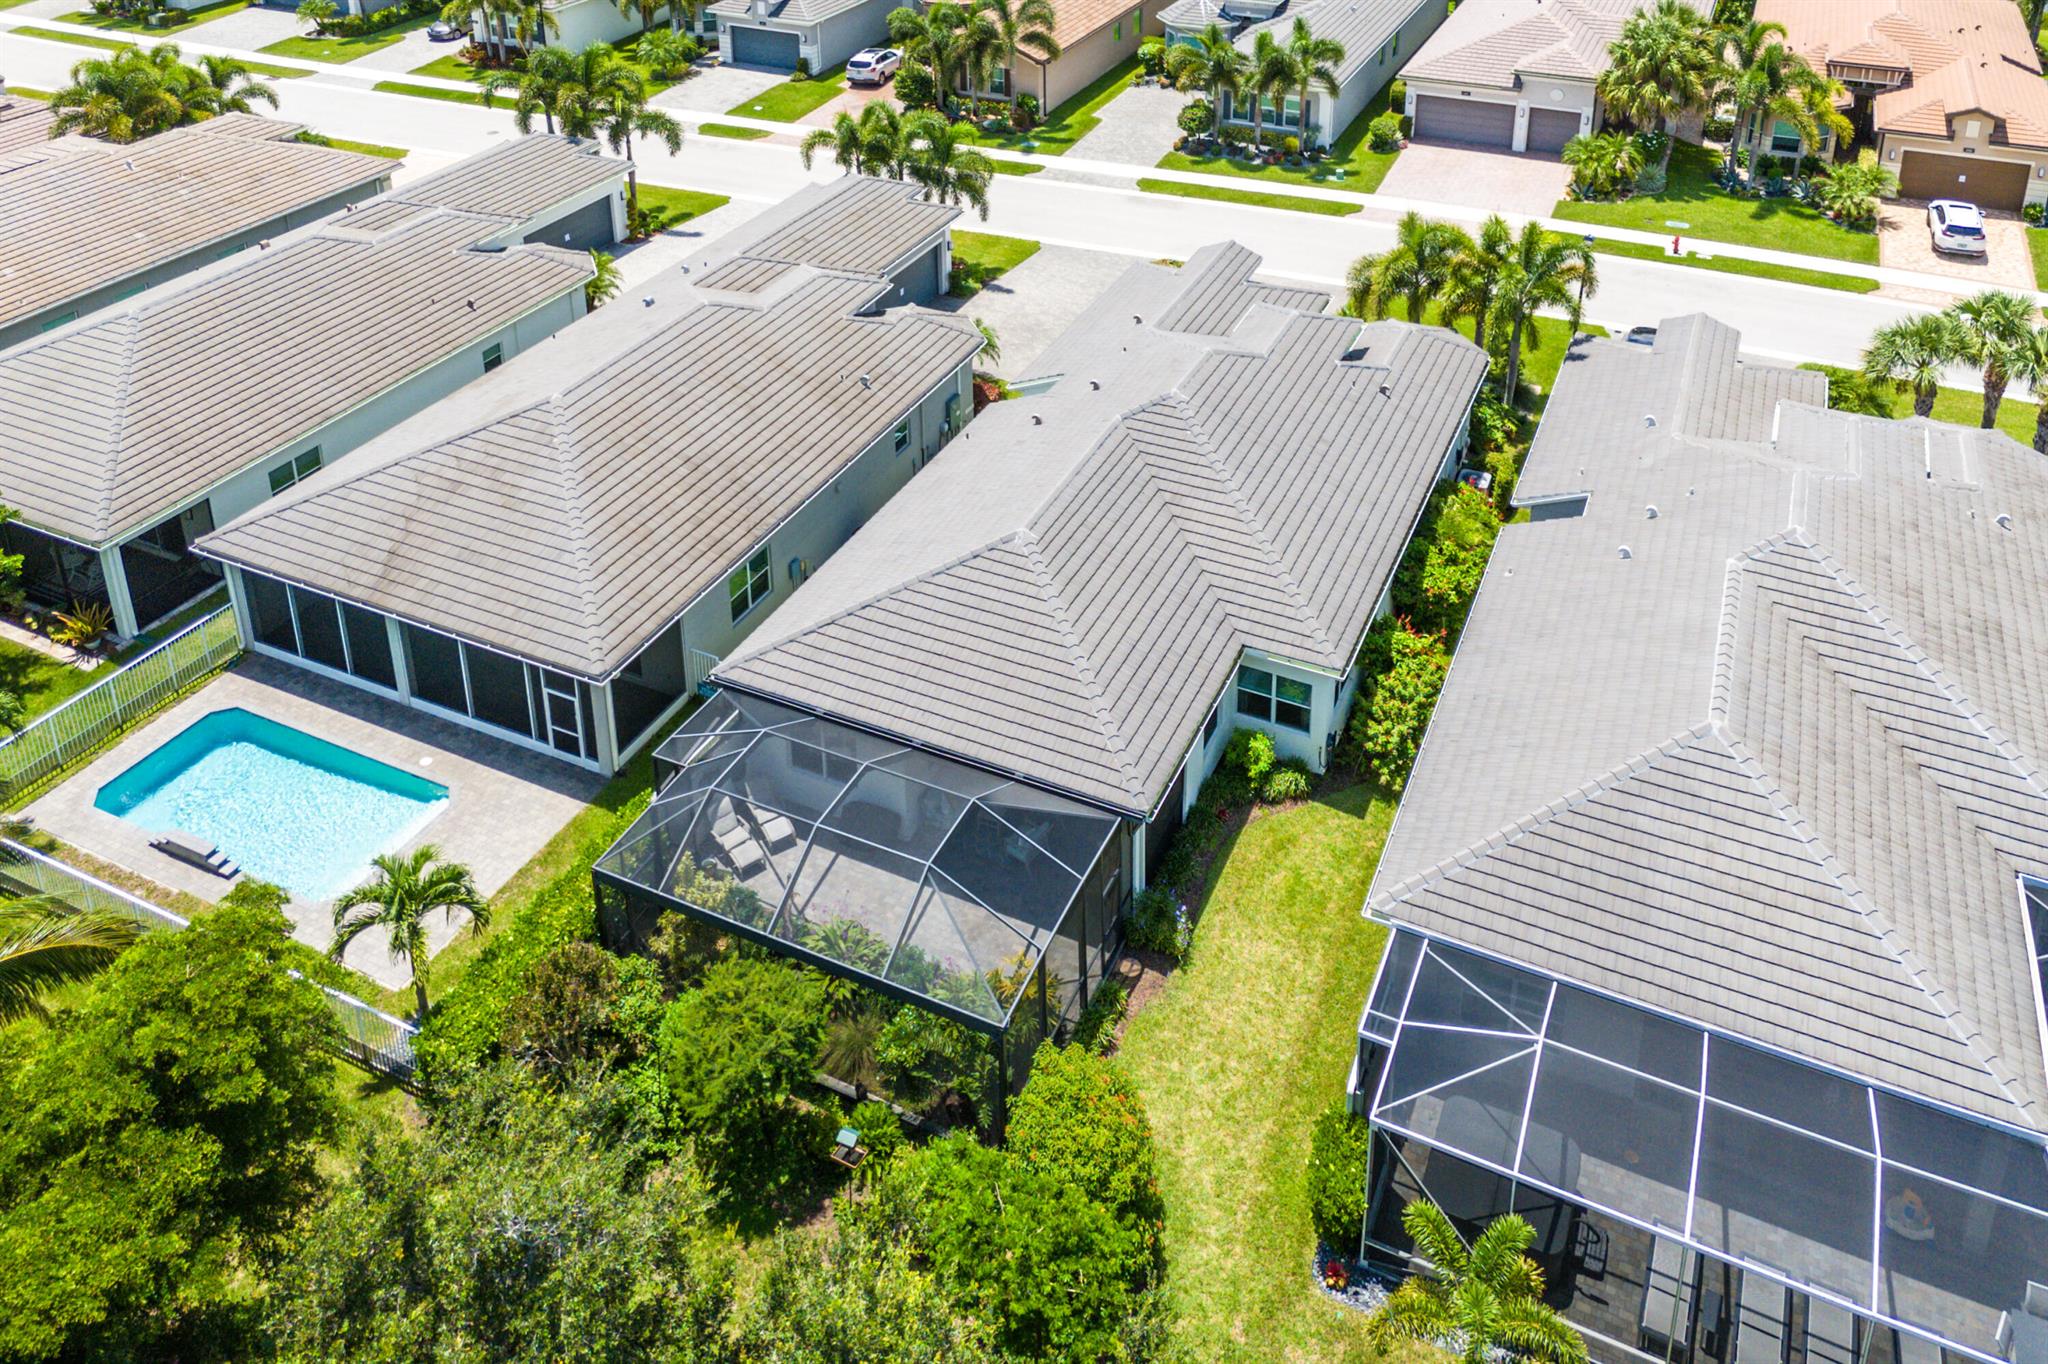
(1081, 1121)
(582, 1006)
(1339, 1154)
(734, 1049)
(154, 1137)
(1445, 559)
(924, 1058)
(1395, 700)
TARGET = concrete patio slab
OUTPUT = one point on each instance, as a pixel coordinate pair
(1138, 127)
(1903, 243)
(504, 803)
(1031, 305)
(1503, 182)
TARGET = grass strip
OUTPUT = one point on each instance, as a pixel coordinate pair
(1015, 167)
(1250, 198)
(791, 100)
(981, 257)
(58, 35)
(1735, 265)
(732, 130)
(445, 96)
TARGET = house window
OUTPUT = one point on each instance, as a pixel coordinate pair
(902, 435)
(1118, 34)
(292, 470)
(57, 322)
(750, 584)
(1397, 44)
(1288, 115)
(1277, 700)
(2035, 894)
(494, 356)
(1784, 137)
(999, 81)
(1209, 725)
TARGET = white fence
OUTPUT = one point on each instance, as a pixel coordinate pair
(370, 1037)
(93, 718)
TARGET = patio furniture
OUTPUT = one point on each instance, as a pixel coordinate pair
(847, 1150)
(2037, 1299)
(742, 849)
(1667, 1298)
(777, 832)
(1763, 1308)
(2024, 1338)
(1832, 1335)
(1909, 1348)
(195, 852)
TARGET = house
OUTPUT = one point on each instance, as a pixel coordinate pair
(1514, 75)
(1021, 669)
(776, 34)
(579, 23)
(126, 436)
(1094, 37)
(1374, 33)
(553, 553)
(84, 223)
(1949, 92)
(1717, 919)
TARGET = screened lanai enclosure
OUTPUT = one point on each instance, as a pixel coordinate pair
(941, 885)
(1696, 1197)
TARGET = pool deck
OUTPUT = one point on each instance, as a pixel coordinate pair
(504, 802)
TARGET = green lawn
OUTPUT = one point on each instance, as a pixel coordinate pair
(732, 130)
(43, 682)
(436, 92)
(1234, 1060)
(1790, 274)
(276, 73)
(178, 19)
(366, 148)
(1964, 407)
(1015, 167)
(2037, 241)
(1351, 164)
(1070, 122)
(26, 93)
(791, 100)
(58, 35)
(679, 205)
(332, 49)
(983, 256)
(1691, 197)
(1255, 198)
(449, 67)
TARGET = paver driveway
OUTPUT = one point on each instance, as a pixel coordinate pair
(1903, 243)
(1445, 173)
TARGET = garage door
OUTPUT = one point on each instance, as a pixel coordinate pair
(586, 229)
(1987, 184)
(764, 47)
(1443, 119)
(1550, 129)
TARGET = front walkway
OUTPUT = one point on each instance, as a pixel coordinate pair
(1502, 182)
(1138, 127)
(504, 802)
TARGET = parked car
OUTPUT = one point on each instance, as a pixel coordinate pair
(441, 31)
(873, 65)
(1956, 226)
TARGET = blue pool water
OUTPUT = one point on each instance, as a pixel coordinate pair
(292, 809)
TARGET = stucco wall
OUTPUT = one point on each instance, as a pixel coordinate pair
(1083, 62)
(1892, 148)
(837, 38)
(592, 21)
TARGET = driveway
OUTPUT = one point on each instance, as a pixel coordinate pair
(250, 29)
(713, 88)
(1031, 305)
(1507, 182)
(1138, 127)
(1903, 243)
(409, 53)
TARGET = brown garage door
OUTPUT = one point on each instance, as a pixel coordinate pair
(1550, 129)
(1987, 184)
(1443, 119)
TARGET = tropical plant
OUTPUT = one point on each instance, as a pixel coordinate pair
(1314, 62)
(1414, 271)
(1272, 73)
(533, 23)
(937, 156)
(2030, 366)
(619, 110)
(603, 285)
(316, 13)
(83, 625)
(1768, 82)
(1339, 1160)
(1851, 192)
(1488, 1299)
(405, 890)
(45, 943)
(536, 88)
(1603, 164)
(932, 36)
(129, 95)
(667, 52)
(1662, 64)
(1543, 270)
(1994, 331)
(1474, 277)
(1212, 63)
(222, 85)
(871, 144)
(1019, 28)
(643, 10)
(991, 346)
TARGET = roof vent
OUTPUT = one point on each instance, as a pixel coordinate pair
(866, 382)
(128, 164)
(1650, 421)
(2004, 520)
(1136, 320)
(647, 301)
(1094, 385)
(1386, 390)
(1650, 512)
(470, 303)
(1625, 554)
(1037, 420)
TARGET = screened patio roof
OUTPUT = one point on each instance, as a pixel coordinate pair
(941, 882)
(1909, 1213)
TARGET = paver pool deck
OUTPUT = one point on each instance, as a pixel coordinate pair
(504, 802)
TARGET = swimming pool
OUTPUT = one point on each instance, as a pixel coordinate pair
(291, 808)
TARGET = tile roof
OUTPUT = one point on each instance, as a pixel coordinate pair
(1362, 26)
(79, 214)
(1497, 42)
(856, 222)
(1065, 592)
(24, 122)
(1962, 56)
(518, 178)
(788, 12)
(566, 507)
(1754, 739)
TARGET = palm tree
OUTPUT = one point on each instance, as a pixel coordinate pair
(666, 52)
(1418, 267)
(1994, 330)
(936, 156)
(2031, 365)
(494, 12)
(869, 145)
(678, 8)
(317, 13)
(1474, 277)
(1912, 355)
(620, 112)
(222, 85)
(124, 97)
(644, 10)
(991, 345)
(533, 24)
(1543, 270)
(1024, 28)
(404, 892)
(1769, 83)
(603, 285)
(45, 943)
(1315, 62)
(537, 89)
(978, 51)
(1488, 1298)
(1272, 73)
(1602, 163)
(931, 35)
(1660, 66)
(1212, 63)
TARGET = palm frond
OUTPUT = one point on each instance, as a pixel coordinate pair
(44, 945)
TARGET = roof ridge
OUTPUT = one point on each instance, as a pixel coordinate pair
(575, 516)
(1049, 589)
(130, 326)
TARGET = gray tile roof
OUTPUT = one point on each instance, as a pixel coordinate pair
(568, 506)
(110, 423)
(87, 214)
(787, 13)
(856, 222)
(518, 179)
(24, 123)
(1063, 594)
(1775, 768)
(1362, 26)
(1495, 42)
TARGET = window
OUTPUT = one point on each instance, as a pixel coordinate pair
(292, 470)
(1209, 725)
(1784, 137)
(57, 322)
(750, 584)
(1281, 701)
(494, 356)
(2036, 896)
(1397, 44)
(1118, 35)
(902, 434)
(1288, 115)
(999, 81)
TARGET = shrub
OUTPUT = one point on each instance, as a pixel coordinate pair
(1602, 163)
(1339, 1157)
(1197, 116)
(1494, 422)
(803, 69)
(1383, 134)
(1152, 57)
(1291, 145)
(914, 87)
(1718, 127)
(1024, 111)
(1096, 1028)
(1288, 780)
(1159, 923)
(1081, 1121)
(665, 52)
(1851, 192)
(1248, 754)
(1236, 135)
(924, 1059)
(1442, 566)
(1388, 725)
(1850, 390)
(734, 1048)
(568, 1014)
(1199, 834)
(881, 1131)
(1505, 464)
(2034, 213)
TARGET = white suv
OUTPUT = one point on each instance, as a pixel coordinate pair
(872, 66)
(1956, 226)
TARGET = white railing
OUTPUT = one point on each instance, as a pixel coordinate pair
(88, 721)
(371, 1038)
(698, 668)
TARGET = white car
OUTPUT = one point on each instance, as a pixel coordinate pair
(873, 65)
(1956, 226)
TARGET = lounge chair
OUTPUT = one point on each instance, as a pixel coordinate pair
(194, 852)
(737, 841)
(1832, 1334)
(1762, 1309)
(1667, 1297)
